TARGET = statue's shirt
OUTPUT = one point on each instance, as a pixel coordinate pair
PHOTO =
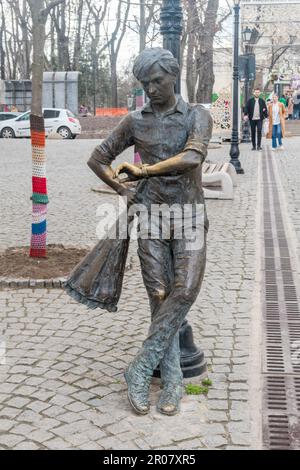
(157, 137)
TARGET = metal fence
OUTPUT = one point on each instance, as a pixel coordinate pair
(60, 90)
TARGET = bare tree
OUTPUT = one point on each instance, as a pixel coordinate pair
(78, 36)
(2, 51)
(23, 43)
(147, 18)
(97, 13)
(114, 44)
(203, 22)
(59, 20)
(84, 35)
(273, 45)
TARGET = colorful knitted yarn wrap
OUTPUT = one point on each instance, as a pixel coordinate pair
(39, 188)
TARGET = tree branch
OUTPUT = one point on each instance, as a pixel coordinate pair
(45, 12)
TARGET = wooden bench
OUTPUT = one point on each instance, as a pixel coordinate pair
(218, 180)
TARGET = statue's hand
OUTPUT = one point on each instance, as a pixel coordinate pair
(133, 172)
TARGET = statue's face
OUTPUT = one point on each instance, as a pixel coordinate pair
(159, 85)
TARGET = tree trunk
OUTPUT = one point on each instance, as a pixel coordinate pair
(37, 131)
(52, 45)
(114, 48)
(190, 59)
(77, 44)
(63, 57)
(26, 45)
(114, 80)
(206, 77)
(142, 29)
(39, 12)
(2, 52)
(38, 36)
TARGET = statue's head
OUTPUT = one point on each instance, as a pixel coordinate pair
(157, 70)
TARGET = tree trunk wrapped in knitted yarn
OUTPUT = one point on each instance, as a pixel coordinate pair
(39, 188)
(39, 10)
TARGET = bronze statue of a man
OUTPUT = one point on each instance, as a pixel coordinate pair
(171, 137)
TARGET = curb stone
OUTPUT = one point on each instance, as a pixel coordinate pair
(53, 283)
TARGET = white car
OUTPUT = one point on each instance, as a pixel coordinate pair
(57, 120)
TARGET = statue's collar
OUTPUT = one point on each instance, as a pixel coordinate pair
(179, 106)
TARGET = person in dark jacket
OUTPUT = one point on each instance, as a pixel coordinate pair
(256, 111)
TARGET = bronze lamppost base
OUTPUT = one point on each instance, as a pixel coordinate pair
(192, 359)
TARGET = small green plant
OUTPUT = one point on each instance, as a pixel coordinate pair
(207, 382)
(192, 389)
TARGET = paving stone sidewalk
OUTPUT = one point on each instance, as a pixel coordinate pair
(62, 386)
(289, 169)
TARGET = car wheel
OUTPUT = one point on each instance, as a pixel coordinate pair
(8, 133)
(65, 132)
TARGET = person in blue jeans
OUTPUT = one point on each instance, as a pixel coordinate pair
(276, 136)
(296, 101)
(276, 113)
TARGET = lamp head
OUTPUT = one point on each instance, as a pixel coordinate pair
(247, 33)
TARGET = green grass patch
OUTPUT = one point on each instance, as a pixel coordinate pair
(207, 382)
(192, 389)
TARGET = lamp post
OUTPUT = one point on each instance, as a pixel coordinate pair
(246, 34)
(171, 30)
(192, 359)
(234, 149)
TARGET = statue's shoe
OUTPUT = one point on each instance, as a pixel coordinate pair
(138, 391)
(169, 400)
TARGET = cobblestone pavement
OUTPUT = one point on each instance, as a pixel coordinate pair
(62, 386)
(72, 209)
(289, 168)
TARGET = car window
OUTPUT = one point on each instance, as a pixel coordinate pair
(51, 113)
(70, 114)
(25, 117)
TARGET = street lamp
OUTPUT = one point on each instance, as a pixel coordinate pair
(192, 359)
(171, 30)
(234, 148)
(246, 35)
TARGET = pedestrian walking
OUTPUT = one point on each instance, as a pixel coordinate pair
(296, 100)
(256, 111)
(283, 100)
(290, 108)
(276, 123)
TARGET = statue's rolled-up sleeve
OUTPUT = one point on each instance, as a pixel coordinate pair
(200, 131)
(119, 139)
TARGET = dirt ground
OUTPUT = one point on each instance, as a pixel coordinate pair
(16, 262)
(97, 127)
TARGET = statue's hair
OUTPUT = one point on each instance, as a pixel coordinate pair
(156, 55)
